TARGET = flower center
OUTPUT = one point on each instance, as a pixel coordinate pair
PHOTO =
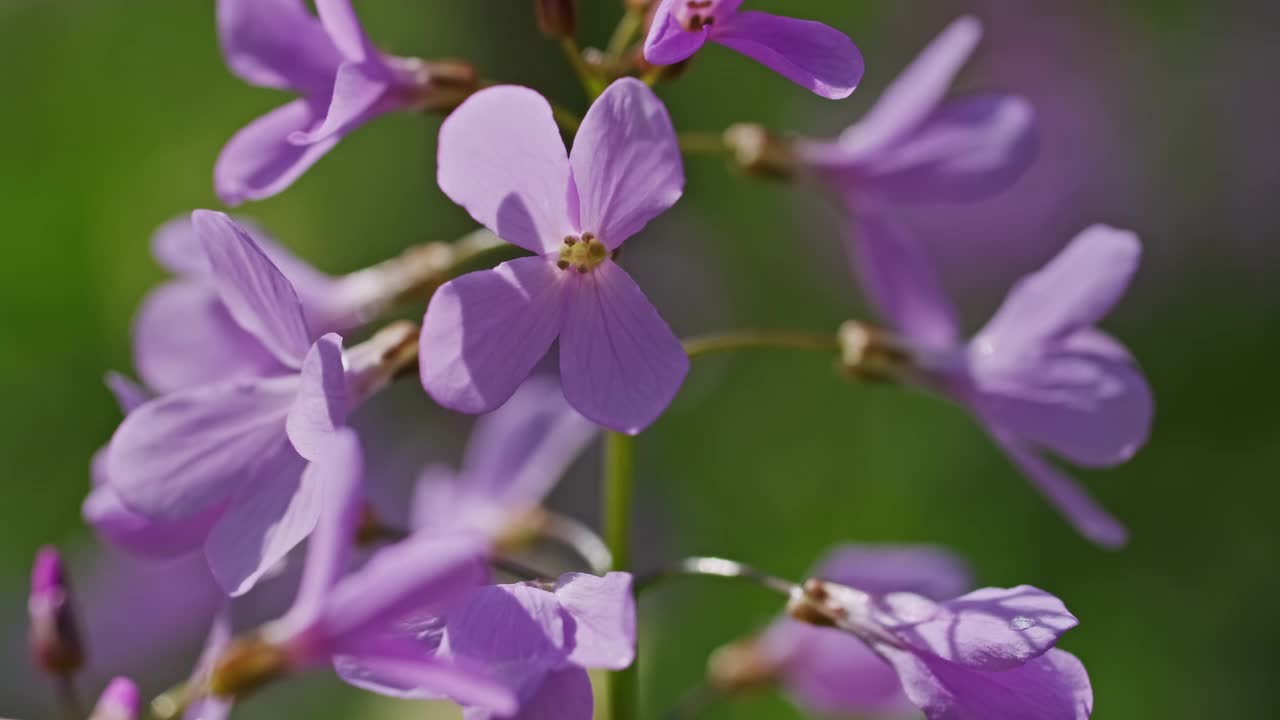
(695, 15)
(583, 254)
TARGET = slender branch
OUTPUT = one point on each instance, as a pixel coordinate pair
(590, 80)
(703, 143)
(761, 340)
(627, 28)
(619, 489)
(721, 568)
(578, 538)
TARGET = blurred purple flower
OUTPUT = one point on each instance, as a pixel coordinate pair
(1039, 376)
(54, 629)
(119, 701)
(343, 81)
(810, 54)
(205, 706)
(913, 148)
(351, 619)
(502, 158)
(514, 458)
(229, 459)
(827, 671)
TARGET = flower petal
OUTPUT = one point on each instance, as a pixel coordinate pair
(129, 395)
(1065, 494)
(967, 151)
(1094, 410)
(359, 91)
(121, 526)
(563, 695)
(501, 157)
(259, 161)
(516, 631)
(183, 453)
(603, 615)
(626, 162)
(340, 22)
(812, 55)
(918, 91)
(620, 364)
(207, 707)
(274, 510)
(1074, 291)
(1054, 686)
(900, 282)
(933, 572)
(322, 404)
(830, 672)
(183, 337)
(668, 42)
(992, 629)
(255, 292)
(337, 473)
(484, 332)
(431, 677)
(276, 43)
(517, 453)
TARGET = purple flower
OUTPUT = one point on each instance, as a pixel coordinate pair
(501, 157)
(342, 79)
(988, 655)
(201, 704)
(514, 457)
(1039, 376)
(229, 460)
(119, 701)
(351, 619)
(807, 53)
(54, 632)
(827, 671)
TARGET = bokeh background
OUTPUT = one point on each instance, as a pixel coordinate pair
(1156, 114)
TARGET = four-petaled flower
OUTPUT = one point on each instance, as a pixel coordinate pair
(810, 54)
(501, 158)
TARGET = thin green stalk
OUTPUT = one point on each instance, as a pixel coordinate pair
(761, 340)
(590, 80)
(619, 488)
(628, 26)
(704, 144)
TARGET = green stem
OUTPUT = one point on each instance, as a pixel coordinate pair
(761, 340)
(590, 81)
(619, 488)
(627, 28)
(704, 144)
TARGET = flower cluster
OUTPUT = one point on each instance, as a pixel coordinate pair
(243, 441)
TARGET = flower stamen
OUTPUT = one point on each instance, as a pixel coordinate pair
(583, 254)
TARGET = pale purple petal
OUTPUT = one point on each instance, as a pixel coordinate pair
(442, 504)
(1065, 494)
(933, 572)
(252, 288)
(359, 92)
(322, 404)
(207, 707)
(431, 677)
(830, 672)
(484, 332)
(501, 157)
(517, 453)
(918, 91)
(337, 473)
(1091, 409)
(626, 162)
(993, 629)
(259, 161)
(563, 695)
(183, 453)
(968, 150)
(342, 25)
(812, 55)
(620, 364)
(1054, 686)
(276, 43)
(900, 281)
(121, 700)
(603, 614)
(668, 42)
(121, 526)
(275, 509)
(183, 336)
(418, 573)
(129, 395)
(1074, 291)
(517, 631)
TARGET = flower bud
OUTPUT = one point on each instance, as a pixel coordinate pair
(450, 82)
(740, 668)
(557, 18)
(54, 635)
(120, 701)
(246, 666)
(760, 152)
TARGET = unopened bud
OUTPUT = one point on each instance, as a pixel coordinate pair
(54, 634)
(120, 701)
(740, 668)
(247, 665)
(557, 18)
(449, 82)
(760, 152)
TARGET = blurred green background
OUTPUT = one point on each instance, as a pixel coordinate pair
(1158, 115)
